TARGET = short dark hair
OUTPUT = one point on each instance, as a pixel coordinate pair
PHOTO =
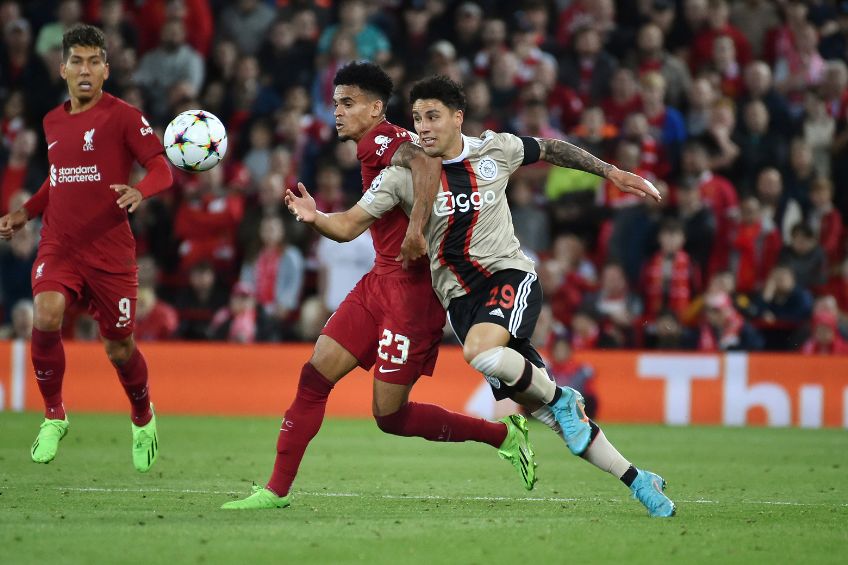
(368, 77)
(441, 88)
(83, 35)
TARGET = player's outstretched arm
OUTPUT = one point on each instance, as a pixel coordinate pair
(340, 226)
(564, 154)
(426, 172)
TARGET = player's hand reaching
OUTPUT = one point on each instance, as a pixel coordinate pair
(634, 184)
(10, 223)
(302, 207)
(413, 247)
(129, 196)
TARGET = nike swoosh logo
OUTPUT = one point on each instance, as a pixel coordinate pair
(51, 145)
(384, 370)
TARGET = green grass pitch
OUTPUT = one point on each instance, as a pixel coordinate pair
(743, 496)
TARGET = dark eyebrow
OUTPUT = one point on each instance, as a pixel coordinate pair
(344, 99)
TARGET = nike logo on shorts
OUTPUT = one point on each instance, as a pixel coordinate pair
(384, 370)
(51, 145)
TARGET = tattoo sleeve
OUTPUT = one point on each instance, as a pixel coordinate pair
(426, 172)
(564, 154)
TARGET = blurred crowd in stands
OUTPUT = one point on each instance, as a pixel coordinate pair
(736, 110)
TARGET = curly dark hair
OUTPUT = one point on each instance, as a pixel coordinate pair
(83, 36)
(368, 76)
(441, 88)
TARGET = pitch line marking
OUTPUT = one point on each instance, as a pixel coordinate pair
(435, 497)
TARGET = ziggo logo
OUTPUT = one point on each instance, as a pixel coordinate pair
(447, 203)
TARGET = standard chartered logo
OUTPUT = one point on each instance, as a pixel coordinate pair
(74, 174)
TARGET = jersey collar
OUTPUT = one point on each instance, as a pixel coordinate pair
(463, 155)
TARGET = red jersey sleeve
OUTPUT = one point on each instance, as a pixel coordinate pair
(38, 202)
(376, 149)
(139, 137)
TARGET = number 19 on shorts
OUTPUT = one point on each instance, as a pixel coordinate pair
(399, 342)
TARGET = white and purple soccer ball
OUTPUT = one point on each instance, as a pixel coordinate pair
(195, 141)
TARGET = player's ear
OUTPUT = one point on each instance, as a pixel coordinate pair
(458, 118)
(106, 71)
(62, 72)
(377, 108)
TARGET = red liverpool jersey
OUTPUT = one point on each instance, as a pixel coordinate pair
(88, 152)
(375, 151)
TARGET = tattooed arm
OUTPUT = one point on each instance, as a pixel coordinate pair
(426, 172)
(564, 154)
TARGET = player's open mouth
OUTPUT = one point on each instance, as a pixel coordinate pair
(85, 85)
(428, 141)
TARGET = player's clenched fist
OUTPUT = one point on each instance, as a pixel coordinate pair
(302, 207)
(10, 223)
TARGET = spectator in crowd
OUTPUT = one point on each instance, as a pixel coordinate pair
(825, 338)
(759, 146)
(531, 223)
(759, 86)
(624, 96)
(172, 62)
(754, 18)
(155, 320)
(754, 248)
(668, 334)
(370, 43)
(22, 321)
(68, 14)
(245, 22)
(198, 303)
(826, 221)
(666, 122)
(717, 26)
(618, 306)
(588, 69)
(701, 98)
(725, 64)
(237, 322)
(276, 275)
(206, 222)
(339, 266)
(805, 257)
(650, 55)
(20, 172)
(588, 334)
(799, 67)
(782, 300)
(468, 23)
(778, 209)
(671, 279)
(724, 329)
(16, 264)
(699, 226)
(818, 129)
(800, 174)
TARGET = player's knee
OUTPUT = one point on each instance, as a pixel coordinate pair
(47, 319)
(119, 352)
(486, 361)
(472, 350)
(394, 423)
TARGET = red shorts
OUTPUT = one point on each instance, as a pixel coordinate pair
(110, 296)
(394, 322)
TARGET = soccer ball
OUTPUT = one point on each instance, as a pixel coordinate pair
(195, 141)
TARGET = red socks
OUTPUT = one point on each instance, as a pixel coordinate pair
(434, 423)
(133, 376)
(300, 424)
(48, 360)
